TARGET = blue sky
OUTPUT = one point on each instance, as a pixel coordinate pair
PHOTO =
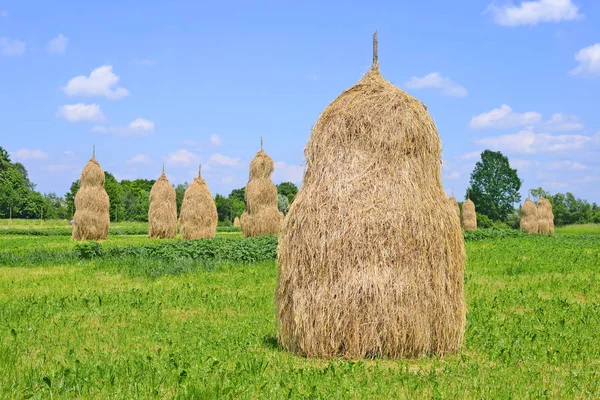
(184, 82)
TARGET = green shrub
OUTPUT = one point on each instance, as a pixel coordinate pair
(88, 250)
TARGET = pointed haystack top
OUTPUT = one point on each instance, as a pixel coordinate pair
(375, 66)
(261, 143)
(94, 151)
(200, 171)
(163, 169)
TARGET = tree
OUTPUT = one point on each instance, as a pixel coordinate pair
(494, 186)
(239, 194)
(70, 198)
(238, 206)
(114, 191)
(224, 208)
(179, 193)
(282, 203)
(539, 192)
(288, 189)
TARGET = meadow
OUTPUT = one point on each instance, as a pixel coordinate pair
(140, 318)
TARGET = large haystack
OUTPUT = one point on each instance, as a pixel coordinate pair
(236, 222)
(454, 204)
(198, 218)
(261, 216)
(469, 217)
(529, 217)
(92, 218)
(545, 217)
(162, 215)
(371, 253)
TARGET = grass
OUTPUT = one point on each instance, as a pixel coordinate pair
(582, 229)
(106, 328)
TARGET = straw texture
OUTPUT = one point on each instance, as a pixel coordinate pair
(198, 218)
(455, 206)
(529, 217)
(545, 217)
(370, 259)
(236, 222)
(469, 217)
(162, 215)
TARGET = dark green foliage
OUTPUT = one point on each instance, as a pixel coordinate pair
(239, 194)
(491, 233)
(179, 192)
(494, 186)
(224, 208)
(88, 250)
(287, 189)
(112, 231)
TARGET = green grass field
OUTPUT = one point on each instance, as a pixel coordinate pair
(105, 328)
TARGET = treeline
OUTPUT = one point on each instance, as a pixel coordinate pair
(129, 200)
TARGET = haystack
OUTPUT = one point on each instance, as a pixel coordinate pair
(469, 217)
(92, 218)
(371, 253)
(236, 222)
(455, 206)
(261, 216)
(198, 218)
(529, 217)
(545, 217)
(162, 215)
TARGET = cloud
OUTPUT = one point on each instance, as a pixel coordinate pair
(139, 127)
(216, 139)
(565, 165)
(520, 163)
(454, 175)
(534, 12)
(58, 45)
(528, 142)
(436, 81)
(60, 168)
(81, 112)
(288, 173)
(589, 61)
(11, 47)
(504, 117)
(228, 179)
(560, 122)
(183, 157)
(220, 159)
(25, 154)
(147, 62)
(139, 159)
(474, 155)
(69, 154)
(100, 83)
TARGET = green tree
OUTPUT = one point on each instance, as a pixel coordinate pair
(238, 206)
(494, 186)
(224, 208)
(288, 189)
(179, 193)
(114, 191)
(70, 199)
(282, 203)
(239, 194)
(539, 192)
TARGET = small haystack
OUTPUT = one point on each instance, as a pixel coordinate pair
(236, 222)
(198, 218)
(469, 217)
(370, 258)
(261, 216)
(162, 215)
(455, 206)
(545, 217)
(92, 218)
(529, 217)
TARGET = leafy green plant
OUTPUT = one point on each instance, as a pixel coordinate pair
(88, 250)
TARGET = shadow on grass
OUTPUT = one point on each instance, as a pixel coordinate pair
(271, 342)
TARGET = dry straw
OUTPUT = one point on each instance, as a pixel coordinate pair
(162, 215)
(236, 222)
(469, 217)
(198, 218)
(454, 204)
(371, 254)
(92, 218)
(261, 216)
(545, 217)
(529, 217)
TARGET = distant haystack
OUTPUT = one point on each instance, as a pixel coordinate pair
(236, 222)
(455, 206)
(469, 217)
(198, 218)
(92, 218)
(261, 216)
(162, 215)
(529, 217)
(545, 217)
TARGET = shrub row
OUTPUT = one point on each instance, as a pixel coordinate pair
(113, 231)
(491, 233)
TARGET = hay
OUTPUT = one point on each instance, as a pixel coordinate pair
(454, 204)
(545, 217)
(261, 216)
(92, 218)
(469, 217)
(370, 259)
(236, 222)
(198, 218)
(162, 215)
(529, 217)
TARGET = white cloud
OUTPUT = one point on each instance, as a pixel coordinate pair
(139, 127)
(100, 83)
(454, 175)
(534, 12)
(288, 173)
(528, 142)
(60, 168)
(504, 117)
(436, 81)
(81, 112)
(26, 154)
(139, 159)
(183, 157)
(216, 139)
(560, 122)
(58, 45)
(11, 47)
(147, 62)
(223, 160)
(565, 165)
(474, 155)
(69, 154)
(589, 61)
(520, 163)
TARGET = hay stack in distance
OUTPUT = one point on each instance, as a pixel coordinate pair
(455, 206)
(236, 222)
(198, 218)
(370, 258)
(162, 215)
(545, 217)
(529, 217)
(469, 217)
(261, 216)
(92, 218)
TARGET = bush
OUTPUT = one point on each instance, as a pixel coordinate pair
(491, 233)
(483, 221)
(88, 250)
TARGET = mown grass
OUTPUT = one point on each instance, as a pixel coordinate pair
(106, 328)
(582, 229)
